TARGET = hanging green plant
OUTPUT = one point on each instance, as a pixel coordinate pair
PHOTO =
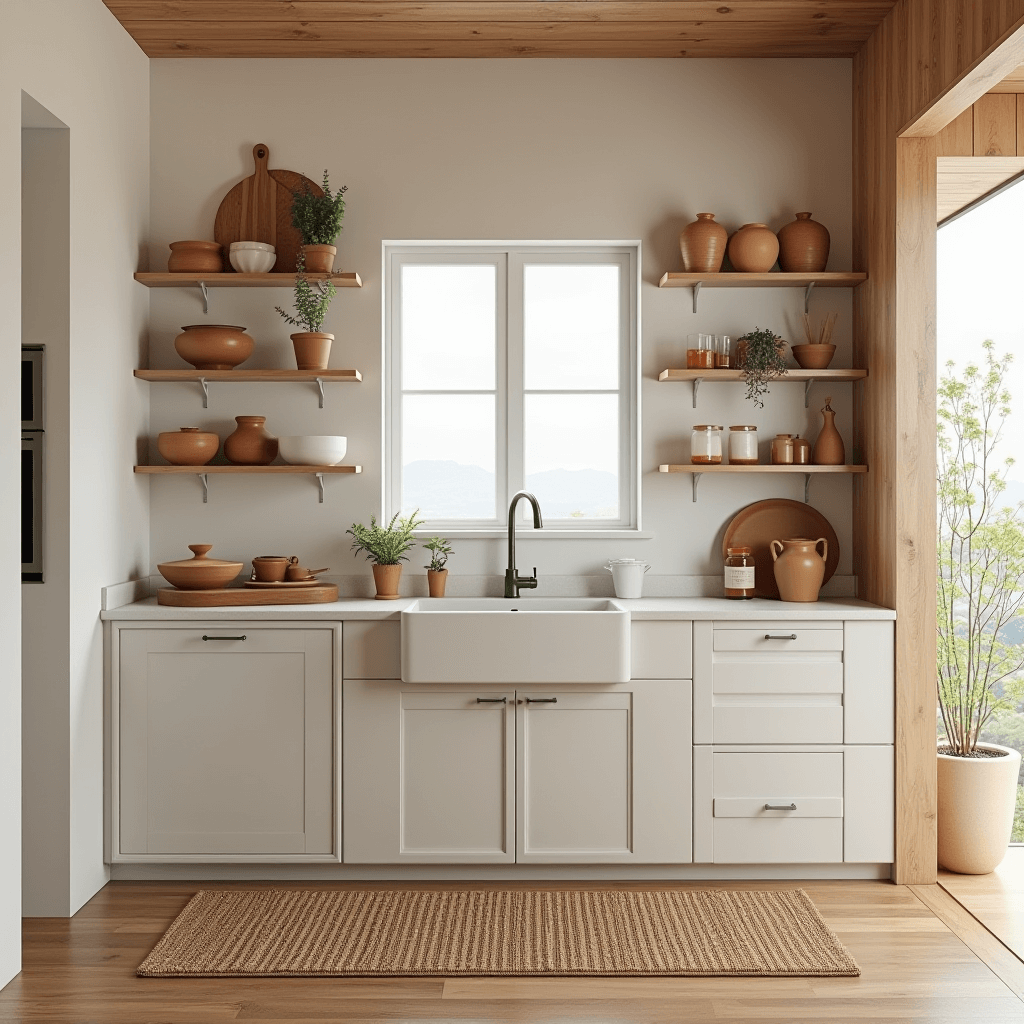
(762, 356)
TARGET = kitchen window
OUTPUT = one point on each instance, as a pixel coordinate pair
(509, 367)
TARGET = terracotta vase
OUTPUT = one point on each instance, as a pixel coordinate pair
(702, 245)
(387, 578)
(250, 444)
(195, 257)
(436, 579)
(799, 569)
(213, 346)
(320, 258)
(753, 249)
(803, 246)
(312, 350)
(829, 449)
(976, 797)
(188, 446)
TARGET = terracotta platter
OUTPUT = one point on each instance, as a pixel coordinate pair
(757, 525)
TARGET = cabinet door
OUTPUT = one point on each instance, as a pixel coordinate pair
(225, 745)
(428, 773)
(604, 775)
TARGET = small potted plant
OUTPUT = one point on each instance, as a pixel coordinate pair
(761, 356)
(387, 547)
(437, 574)
(312, 346)
(318, 220)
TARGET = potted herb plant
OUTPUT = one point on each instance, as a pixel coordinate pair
(387, 547)
(761, 356)
(437, 574)
(980, 594)
(312, 346)
(318, 220)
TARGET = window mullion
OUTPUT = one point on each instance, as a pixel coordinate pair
(515, 370)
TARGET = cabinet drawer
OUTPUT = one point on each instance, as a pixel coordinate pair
(778, 720)
(766, 638)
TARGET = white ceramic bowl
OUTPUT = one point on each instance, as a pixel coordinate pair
(265, 246)
(313, 449)
(252, 261)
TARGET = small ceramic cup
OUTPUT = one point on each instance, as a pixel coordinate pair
(270, 568)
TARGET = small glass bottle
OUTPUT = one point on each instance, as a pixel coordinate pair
(739, 574)
(706, 445)
(723, 352)
(743, 446)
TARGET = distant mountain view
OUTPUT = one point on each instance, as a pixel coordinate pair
(445, 489)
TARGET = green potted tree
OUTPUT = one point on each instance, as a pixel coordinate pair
(387, 547)
(437, 574)
(318, 220)
(762, 357)
(980, 593)
(312, 346)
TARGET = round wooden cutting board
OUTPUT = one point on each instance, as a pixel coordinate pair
(757, 525)
(259, 209)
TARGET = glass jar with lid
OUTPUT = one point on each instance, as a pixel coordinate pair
(739, 574)
(743, 446)
(706, 445)
(700, 352)
(782, 450)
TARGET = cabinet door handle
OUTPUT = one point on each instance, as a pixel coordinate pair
(541, 700)
(492, 700)
(780, 807)
(205, 637)
(771, 636)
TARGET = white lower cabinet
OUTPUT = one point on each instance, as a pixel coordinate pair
(223, 744)
(464, 775)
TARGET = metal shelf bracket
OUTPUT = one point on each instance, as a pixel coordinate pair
(320, 386)
(206, 296)
(695, 479)
(320, 484)
(205, 481)
(807, 488)
(807, 297)
(697, 381)
(696, 292)
(205, 385)
(807, 393)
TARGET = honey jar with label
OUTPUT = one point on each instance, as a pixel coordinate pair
(739, 574)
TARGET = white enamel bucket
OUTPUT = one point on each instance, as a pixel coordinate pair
(627, 576)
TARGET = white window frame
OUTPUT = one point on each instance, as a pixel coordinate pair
(509, 259)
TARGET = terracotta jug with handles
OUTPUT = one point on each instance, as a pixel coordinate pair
(799, 569)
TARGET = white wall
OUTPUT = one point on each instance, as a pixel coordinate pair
(74, 59)
(491, 149)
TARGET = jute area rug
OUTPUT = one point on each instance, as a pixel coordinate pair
(279, 933)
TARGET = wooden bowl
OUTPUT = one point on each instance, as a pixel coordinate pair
(195, 257)
(200, 572)
(188, 446)
(813, 357)
(213, 346)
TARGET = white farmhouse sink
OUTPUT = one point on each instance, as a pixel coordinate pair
(522, 640)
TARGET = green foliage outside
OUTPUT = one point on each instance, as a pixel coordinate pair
(439, 551)
(1018, 818)
(385, 545)
(311, 304)
(980, 556)
(765, 360)
(318, 218)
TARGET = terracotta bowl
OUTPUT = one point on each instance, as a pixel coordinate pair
(199, 573)
(213, 346)
(195, 257)
(188, 446)
(813, 357)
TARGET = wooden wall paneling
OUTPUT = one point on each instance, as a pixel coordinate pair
(1020, 124)
(995, 125)
(1013, 82)
(963, 179)
(957, 138)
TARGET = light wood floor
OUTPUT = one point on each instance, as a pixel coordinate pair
(924, 959)
(996, 900)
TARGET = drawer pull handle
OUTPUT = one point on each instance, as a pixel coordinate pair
(780, 807)
(492, 700)
(771, 636)
(205, 637)
(541, 700)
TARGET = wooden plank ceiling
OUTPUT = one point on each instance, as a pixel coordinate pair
(500, 28)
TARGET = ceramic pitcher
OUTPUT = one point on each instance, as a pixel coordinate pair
(799, 569)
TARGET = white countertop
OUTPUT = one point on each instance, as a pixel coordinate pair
(645, 608)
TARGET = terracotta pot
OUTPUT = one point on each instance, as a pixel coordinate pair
(753, 249)
(799, 569)
(829, 449)
(271, 568)
(200, 572)
(813, 357)
(436, 579)
(195, 257)
(320, 258)
(188, 446)
(702, 245)
(387, 578)
(213, 346)
(312, 350)
(803, 246)
(976, 797)
(250, 444)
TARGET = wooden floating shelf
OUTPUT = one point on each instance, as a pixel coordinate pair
(696, 472)
(773, 279)
(243, 376)
(344, 279)
(203, 470)
(710, 376)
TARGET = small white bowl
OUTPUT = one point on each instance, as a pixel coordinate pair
(264, 246)
(252, 261)
(313, 449)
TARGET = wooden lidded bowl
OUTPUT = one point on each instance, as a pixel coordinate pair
(200, 572)
(195, 257)
(187, 446)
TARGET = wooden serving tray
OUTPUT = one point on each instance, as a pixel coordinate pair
(323, 594)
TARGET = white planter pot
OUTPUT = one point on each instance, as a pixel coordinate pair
(975, 809)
